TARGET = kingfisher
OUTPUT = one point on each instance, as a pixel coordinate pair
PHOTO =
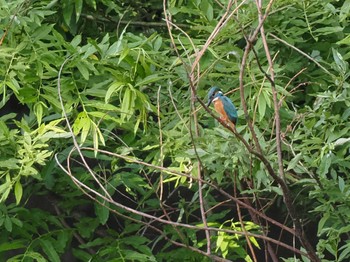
(223, 105)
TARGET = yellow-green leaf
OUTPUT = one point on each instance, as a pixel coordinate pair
(18, 191)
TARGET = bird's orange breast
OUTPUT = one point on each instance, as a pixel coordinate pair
(219, 107)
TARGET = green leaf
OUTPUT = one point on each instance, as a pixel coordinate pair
(127, 104)
(344, 13)
(341, 141)
(49, 249)
(82, 255)
(8, 224)
(82, 124)
(341, 184)
(42, 32)
(10, 163)
(38, 111)
(151, 79)
(321, 223)
(326, 162)
(63, 238)
(103, 106)
(34, 255)
(18, 191)
(105, 116)
(5, 188)
(114, 49)
(78, 8)
(261, 107)
(327, 30)
(345, 251)
(17, 222)
(11, 245)
(157, 43)
(76, 41)
(344, 41)
(294, 161)
(339, 61)
(200, 152)
(102, 212)
(114, 87)
(83, 70)
(68, 7)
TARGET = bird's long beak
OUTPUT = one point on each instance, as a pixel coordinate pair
(209, 102)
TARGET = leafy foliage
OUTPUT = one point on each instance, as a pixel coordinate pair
(96, 105)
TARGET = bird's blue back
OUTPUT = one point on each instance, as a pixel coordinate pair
(229, 108)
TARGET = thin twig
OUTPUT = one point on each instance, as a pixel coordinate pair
(302, 53)
(161, 157)
(238, 208)
(193, 109)
(98, 195)
(75, 142)
(274, 92)
(286, 193)
(211, 184)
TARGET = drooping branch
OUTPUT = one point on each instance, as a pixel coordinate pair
(103, 199)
